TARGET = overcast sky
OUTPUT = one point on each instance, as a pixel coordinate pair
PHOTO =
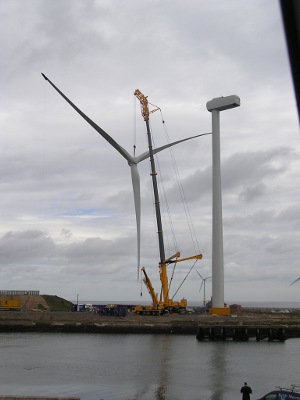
(66, 205)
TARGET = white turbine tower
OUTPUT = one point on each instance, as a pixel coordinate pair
(203, 284)
(215, 106)
(132, 162)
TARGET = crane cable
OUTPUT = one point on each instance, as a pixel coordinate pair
(161, 183)
(171, 279)
(186, 209)
(134, 124)
(182, 193)
(185, 278)
(185, 206)
(165, 203)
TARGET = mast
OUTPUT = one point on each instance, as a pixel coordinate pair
(167, 302)
(145, 114)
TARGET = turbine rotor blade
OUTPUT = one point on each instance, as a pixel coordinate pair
(135, 177)
(131, 161)
(145, 155)
(201, 286)
(295, 281)
(199, 274)
(105, 135)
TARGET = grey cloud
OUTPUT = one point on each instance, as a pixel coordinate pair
(92, 255)
(290, 215)
(251, 193)
(25, 247)
(247, 167)
(254, 265)
(245, 170)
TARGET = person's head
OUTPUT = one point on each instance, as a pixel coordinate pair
(245, 383)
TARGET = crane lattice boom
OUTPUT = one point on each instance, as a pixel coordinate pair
(144, 104)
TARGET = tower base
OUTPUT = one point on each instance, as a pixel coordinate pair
(219, 311)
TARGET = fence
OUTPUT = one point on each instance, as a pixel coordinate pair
(20, 292)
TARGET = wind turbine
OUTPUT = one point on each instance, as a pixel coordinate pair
(132, 162)
(295, 281)
(203, 284)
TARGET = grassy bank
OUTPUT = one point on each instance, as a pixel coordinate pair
(56, 303)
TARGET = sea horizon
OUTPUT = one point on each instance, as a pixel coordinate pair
(254, 304)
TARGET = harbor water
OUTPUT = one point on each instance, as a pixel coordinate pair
(163, 367)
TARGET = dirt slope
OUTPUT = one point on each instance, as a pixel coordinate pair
(39, 302)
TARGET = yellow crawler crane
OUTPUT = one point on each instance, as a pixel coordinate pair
(165, 303)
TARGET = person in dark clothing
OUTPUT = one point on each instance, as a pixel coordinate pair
(246, 391)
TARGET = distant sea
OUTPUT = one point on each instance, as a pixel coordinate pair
(269, 304)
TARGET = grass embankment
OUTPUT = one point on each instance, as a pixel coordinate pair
(34, 303)
(56, 303)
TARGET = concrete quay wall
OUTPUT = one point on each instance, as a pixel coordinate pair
(189, 324)
(37, 398)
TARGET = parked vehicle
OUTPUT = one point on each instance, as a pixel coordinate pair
(281, 393)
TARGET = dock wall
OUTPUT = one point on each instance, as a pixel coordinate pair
(246, 332)
(37, 398)
(204, 327)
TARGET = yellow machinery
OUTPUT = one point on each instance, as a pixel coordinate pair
(165, 303)
(10, 304)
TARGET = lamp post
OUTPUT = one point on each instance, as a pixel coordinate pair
(215, 106)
